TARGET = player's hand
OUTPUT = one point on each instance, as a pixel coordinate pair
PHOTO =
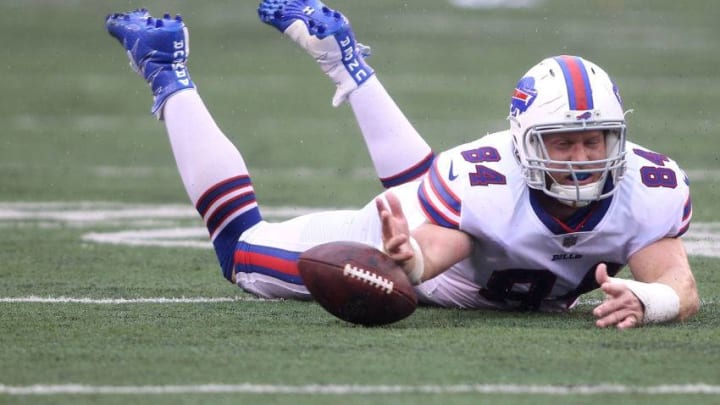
(621, 308)
(395, 230)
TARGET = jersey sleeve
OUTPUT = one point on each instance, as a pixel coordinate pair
(440, 192)
(686, 212)
(662, 192)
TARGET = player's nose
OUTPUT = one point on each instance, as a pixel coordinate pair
(578, 153)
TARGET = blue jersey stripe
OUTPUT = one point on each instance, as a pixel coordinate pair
(227, 239)
(271, 261)
(432, 213)
(443, 192)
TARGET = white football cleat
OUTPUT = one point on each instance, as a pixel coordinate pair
(326, 35)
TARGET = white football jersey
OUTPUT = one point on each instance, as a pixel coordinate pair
(525, 258)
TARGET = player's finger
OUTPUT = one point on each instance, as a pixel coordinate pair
(621, 320)
(608, 306)
(629, 322)
(385, 220)
(396, 248)
(380, 205)
(395, 205)
(614, 299)
(615, 317)
(601, 275)
(613, 289)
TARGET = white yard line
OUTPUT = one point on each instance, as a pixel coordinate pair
(33, 299)
(333, 389)
(118, 301)
(159, 225)
(91, 212)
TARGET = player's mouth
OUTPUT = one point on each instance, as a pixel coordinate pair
(582, 178)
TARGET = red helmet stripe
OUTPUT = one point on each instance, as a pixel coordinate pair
(577, 82)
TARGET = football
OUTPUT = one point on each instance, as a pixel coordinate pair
(357, 283)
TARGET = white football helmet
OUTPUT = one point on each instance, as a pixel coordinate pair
(568, 94)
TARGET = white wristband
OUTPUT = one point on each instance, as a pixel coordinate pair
(661, 302)
(415, 275)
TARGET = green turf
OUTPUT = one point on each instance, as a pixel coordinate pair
(76, 127)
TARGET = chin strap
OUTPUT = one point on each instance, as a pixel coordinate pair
(569, 195)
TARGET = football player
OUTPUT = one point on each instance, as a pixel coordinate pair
(529, 218)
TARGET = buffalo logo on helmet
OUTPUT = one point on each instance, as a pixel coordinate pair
(584, 116)
(523, 96)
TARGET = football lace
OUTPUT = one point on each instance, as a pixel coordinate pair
(368, 277)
